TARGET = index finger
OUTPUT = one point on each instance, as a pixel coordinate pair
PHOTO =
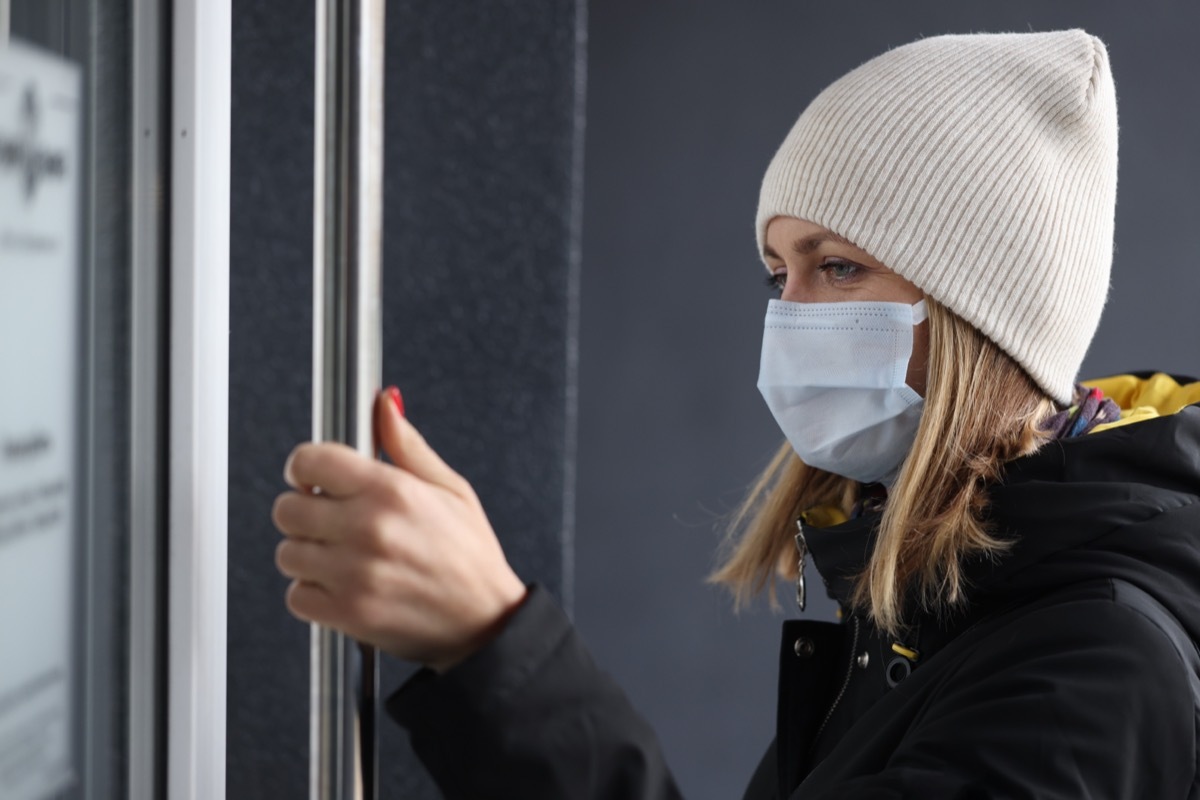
(336, 469)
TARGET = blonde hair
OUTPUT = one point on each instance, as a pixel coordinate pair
(981, 411)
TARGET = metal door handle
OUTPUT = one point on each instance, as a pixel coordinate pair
(347, 357)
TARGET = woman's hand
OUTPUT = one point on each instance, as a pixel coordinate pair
(401, 557)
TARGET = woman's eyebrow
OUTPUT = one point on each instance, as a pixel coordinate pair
(807, 244)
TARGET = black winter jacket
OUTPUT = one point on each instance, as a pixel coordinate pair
(1064, 678)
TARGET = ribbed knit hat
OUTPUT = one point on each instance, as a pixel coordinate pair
(983, 169)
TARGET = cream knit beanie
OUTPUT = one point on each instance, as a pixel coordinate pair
(983, 169)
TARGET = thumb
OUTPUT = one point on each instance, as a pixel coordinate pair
(405, 446)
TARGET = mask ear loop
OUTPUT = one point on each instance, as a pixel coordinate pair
(919, 312)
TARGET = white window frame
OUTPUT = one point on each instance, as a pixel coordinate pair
(198, 399)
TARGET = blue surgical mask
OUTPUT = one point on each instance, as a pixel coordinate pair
(833, 375)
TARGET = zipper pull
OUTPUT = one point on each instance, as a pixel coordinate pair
(802, 550)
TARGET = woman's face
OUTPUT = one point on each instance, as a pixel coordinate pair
(811, 264)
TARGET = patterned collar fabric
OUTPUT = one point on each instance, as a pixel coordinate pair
(1091, 408)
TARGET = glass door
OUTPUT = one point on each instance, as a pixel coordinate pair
(81, 486)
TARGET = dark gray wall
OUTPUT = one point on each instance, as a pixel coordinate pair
(686, 104)
(481, 252)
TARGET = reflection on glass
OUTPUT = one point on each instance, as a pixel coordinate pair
(64, 310)
(39, 273)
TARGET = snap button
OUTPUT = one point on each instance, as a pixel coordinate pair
(804, 647)
(897, 670)
(863, 660)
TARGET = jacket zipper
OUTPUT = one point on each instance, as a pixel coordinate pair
(842, 692)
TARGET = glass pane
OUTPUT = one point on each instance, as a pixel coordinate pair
(64, 411)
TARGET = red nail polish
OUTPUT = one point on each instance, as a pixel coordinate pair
(394, 393)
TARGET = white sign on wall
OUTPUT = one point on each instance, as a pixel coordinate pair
(40, 386)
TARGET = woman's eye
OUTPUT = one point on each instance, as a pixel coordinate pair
(776, 281)
(839, 270)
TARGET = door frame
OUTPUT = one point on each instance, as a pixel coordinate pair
(197, 559)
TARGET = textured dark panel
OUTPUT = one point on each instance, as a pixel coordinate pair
(479, 287)
(480, 110)
(270, 385)
(478, 318)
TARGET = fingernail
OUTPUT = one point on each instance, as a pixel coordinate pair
(394, 393)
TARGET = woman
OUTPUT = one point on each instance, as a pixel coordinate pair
(1014, 555)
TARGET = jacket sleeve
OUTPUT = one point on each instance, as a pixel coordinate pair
(1086, 699)
(531, 716)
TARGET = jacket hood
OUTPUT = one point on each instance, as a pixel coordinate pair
(1121, 502)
